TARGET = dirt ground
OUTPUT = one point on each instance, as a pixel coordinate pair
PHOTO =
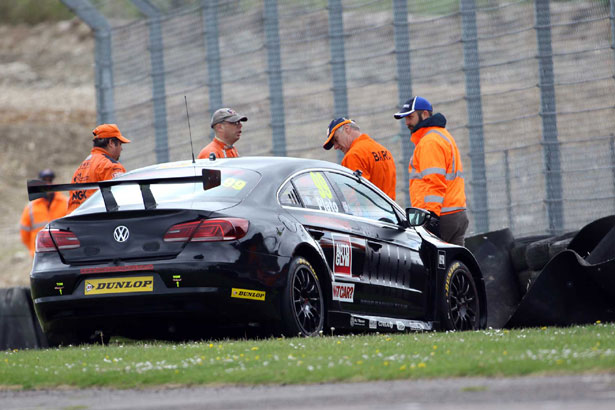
(47, 112)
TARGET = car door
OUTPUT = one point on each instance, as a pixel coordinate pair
(393, 268)
(317, 207)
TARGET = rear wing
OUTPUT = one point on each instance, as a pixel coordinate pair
(209, 177)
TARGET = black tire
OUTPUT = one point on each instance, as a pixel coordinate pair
(539, 253)
(518, 251)
(303, 306)
(459, 304)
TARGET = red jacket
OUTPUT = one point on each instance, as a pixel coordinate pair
(98, 166)
(375, 161)
(39, 213)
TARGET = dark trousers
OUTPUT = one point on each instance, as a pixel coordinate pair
(453, 227)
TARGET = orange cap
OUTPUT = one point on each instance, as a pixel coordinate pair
(109, 131)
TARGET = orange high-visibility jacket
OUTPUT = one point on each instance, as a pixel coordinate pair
(219, 148)
(98, 166)
(375, 161)
(436, 171)
(39, 213)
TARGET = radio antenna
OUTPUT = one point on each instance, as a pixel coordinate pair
(189, 130)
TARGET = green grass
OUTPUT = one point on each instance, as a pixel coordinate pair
(491, 353)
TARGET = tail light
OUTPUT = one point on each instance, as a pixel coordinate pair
(50, 240)
(209, 230)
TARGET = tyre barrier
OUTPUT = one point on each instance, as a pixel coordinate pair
(492, 251)
(19, 326)
(561, 280)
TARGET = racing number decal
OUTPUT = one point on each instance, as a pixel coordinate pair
(342, 255)
(325, 202)
(236, 184)
(321, 184)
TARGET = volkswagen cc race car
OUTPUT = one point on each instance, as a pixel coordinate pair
(300, 245)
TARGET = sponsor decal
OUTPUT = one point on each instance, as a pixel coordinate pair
(418, 325)
(344, 292)
(441, 259)
(248, 294)
(373, 324)
(357, 321)
(59, 287)
(177, 279)
(387, 324)
(109, 269)
(400, 326)
(342, 255)
(119, 285)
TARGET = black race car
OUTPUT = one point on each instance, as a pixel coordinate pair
(300, 245)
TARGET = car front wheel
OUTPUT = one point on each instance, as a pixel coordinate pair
(459, 305)
(303, 308)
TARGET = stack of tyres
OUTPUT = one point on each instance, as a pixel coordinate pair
(492, 252)
(529, 255)
(577, 284)
(19, 327)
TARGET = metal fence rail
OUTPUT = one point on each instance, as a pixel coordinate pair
(527, 87)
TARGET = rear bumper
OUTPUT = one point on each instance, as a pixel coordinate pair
(200, 298)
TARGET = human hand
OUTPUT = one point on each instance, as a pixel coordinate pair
(433, 224)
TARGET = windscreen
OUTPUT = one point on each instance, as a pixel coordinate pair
(235, 185)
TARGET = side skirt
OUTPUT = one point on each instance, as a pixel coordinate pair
(343, 320)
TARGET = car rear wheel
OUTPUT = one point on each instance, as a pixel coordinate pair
(460, 308)
(303, 307)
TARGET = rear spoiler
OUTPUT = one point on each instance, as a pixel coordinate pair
(209, 177)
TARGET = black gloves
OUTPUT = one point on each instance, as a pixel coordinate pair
(433, 224)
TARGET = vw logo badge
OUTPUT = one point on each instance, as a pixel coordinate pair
(121, 234)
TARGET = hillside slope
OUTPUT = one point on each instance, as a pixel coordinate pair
(47, 112)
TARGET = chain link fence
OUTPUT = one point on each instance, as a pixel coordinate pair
(527, 87)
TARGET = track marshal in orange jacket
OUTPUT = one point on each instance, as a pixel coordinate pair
(363, 153)
(102, 163)
(227, 126)
(436, 171)
(41, 211)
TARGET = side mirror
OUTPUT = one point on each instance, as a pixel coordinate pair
(417, 216)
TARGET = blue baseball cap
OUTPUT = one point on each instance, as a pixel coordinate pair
(412, 105)
(46, 173)
(333, 126)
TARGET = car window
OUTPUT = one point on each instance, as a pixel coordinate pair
(235, 185)
(288, 195)
(360, 200)
(315, 192)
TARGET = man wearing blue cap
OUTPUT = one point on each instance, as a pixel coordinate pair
(363, 153)
(436, 171)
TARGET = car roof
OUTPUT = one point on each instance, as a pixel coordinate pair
(267, 166)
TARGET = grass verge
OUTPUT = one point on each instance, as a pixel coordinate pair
(490, 353)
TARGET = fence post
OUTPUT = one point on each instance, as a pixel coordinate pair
(338, 61)
(276, 94)
(156, 50)
(469, 38)
(210, 30)
(612, 152)
(103, 60)
(612, 18)
(511, 221)
(549, 118)
(404, 83)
